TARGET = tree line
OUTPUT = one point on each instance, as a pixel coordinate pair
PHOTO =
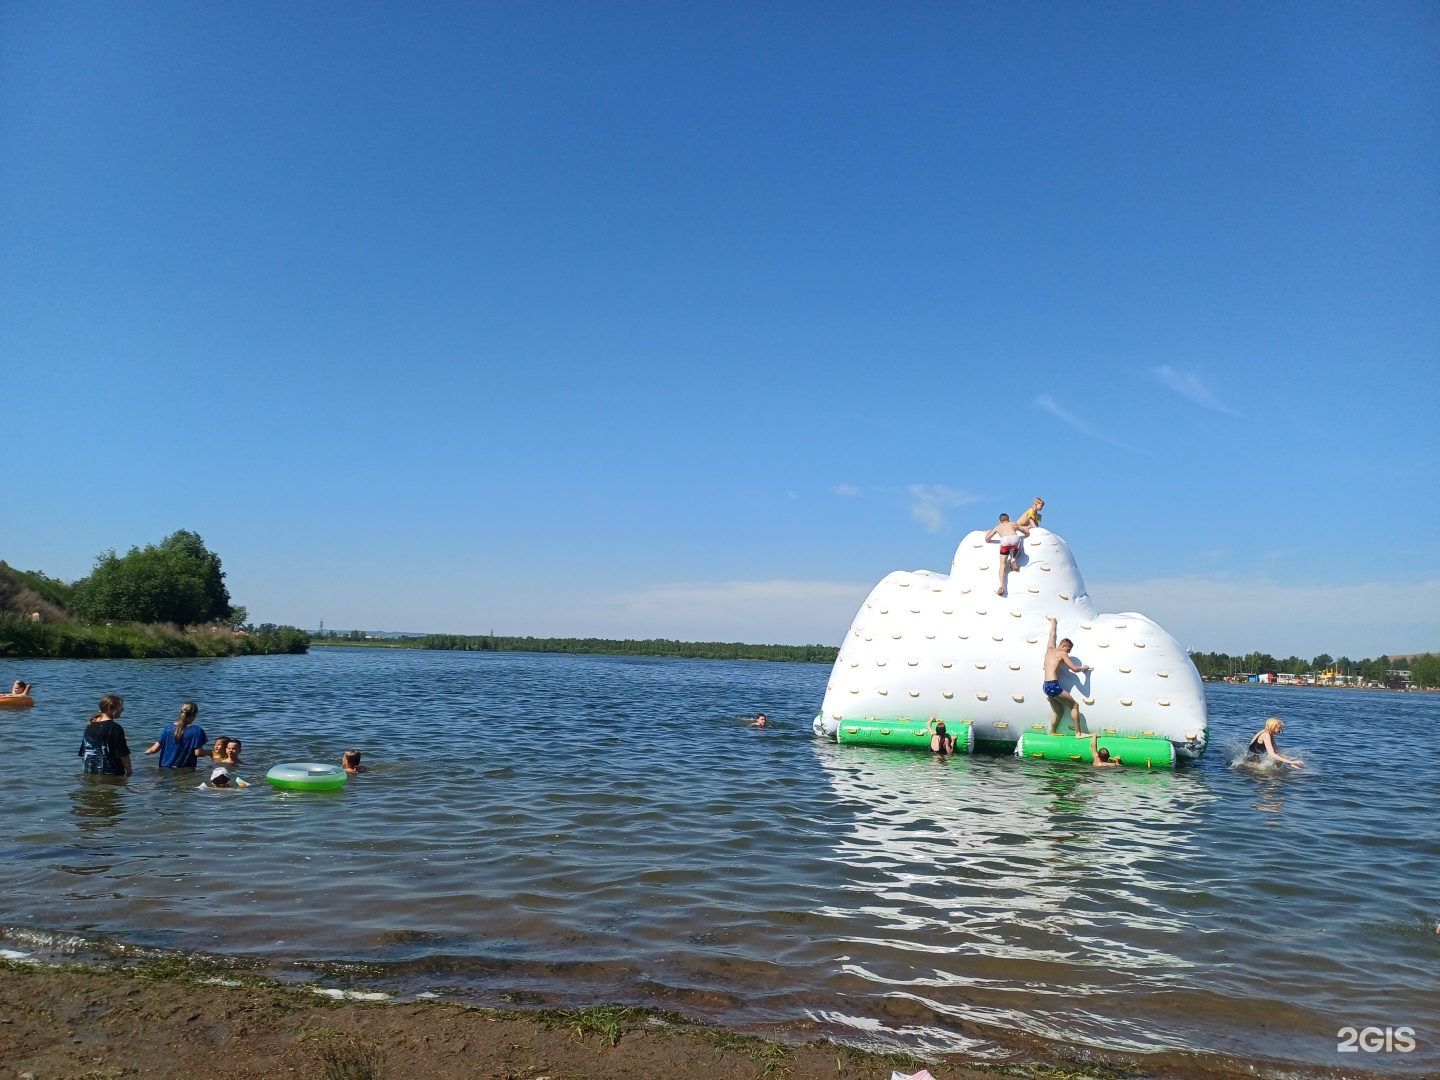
(1424, 669)
(165, 599)
(697, 650)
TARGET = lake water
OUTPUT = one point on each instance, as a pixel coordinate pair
(556, 829)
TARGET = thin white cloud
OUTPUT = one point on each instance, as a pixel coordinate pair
(1221, 614)
(1046, 402)
(1188, 385)
(848, 490)
(931, 502)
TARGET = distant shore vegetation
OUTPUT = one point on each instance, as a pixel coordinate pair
(691, 650)
(1422, 670)
(163, 600)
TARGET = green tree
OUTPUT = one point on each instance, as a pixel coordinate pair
(1376, 670)
(1258, 662)
(1425, 670)
(1323, 661)
(176, 581)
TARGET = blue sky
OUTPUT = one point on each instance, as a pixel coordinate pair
(696, 320)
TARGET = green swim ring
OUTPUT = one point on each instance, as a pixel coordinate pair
(306, 776)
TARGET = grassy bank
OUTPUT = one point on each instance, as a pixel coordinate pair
(693, 650)
(22, 637)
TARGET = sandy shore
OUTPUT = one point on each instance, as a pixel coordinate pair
(156, 1022)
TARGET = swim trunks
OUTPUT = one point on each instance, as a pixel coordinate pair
(1052, 689)
(1009, 544)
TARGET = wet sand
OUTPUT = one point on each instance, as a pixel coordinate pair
(91, 1023)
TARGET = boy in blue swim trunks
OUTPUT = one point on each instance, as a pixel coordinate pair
(1056, 655)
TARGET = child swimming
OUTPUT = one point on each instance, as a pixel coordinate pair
(221, 780)
(350, 761)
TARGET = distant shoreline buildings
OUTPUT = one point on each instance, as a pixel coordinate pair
(1396, 679)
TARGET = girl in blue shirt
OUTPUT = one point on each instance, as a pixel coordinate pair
(180, 744)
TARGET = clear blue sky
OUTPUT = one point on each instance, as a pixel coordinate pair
(697, 319)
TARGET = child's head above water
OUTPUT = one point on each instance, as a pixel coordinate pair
(220, 778)
(351, 760)
(232, 749)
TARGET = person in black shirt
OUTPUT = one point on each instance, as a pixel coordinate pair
(103, 748)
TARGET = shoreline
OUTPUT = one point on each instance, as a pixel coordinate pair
(176, 1016)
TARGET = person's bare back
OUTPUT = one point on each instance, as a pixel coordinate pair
(1056, 657)
(1011, 537)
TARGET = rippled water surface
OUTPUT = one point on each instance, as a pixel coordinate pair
(559, 829)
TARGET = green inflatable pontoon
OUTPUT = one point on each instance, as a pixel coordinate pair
(906, 734)
(1132, 751)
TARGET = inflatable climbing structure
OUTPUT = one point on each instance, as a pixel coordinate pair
(925, 645)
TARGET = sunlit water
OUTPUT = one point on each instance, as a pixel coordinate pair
(561, 829)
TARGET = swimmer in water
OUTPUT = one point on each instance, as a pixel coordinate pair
(217, 752)
(232, 752)
(221, 780)
(22, 689)
(760, 720)
(1263, 742)
(1099, 756)
(350, 762)
(941, 741)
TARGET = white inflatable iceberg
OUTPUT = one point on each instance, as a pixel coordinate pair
(926, 645)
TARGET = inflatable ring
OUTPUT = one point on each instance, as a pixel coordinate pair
(17, 700)
(307, 776)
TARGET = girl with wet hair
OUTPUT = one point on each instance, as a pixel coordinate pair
(1263, 742)
(180, 744)
(103, 748)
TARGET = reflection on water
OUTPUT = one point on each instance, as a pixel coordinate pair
(663, 852)
(997, 887)
(98, 801)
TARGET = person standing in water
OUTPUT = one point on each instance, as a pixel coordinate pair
(1099, 756)
(941, 741)
(103, 748)
(1011, 536)
(1055, 657)
(179, 745)
(1263, 742)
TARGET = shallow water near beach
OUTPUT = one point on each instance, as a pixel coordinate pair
(558, 830)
